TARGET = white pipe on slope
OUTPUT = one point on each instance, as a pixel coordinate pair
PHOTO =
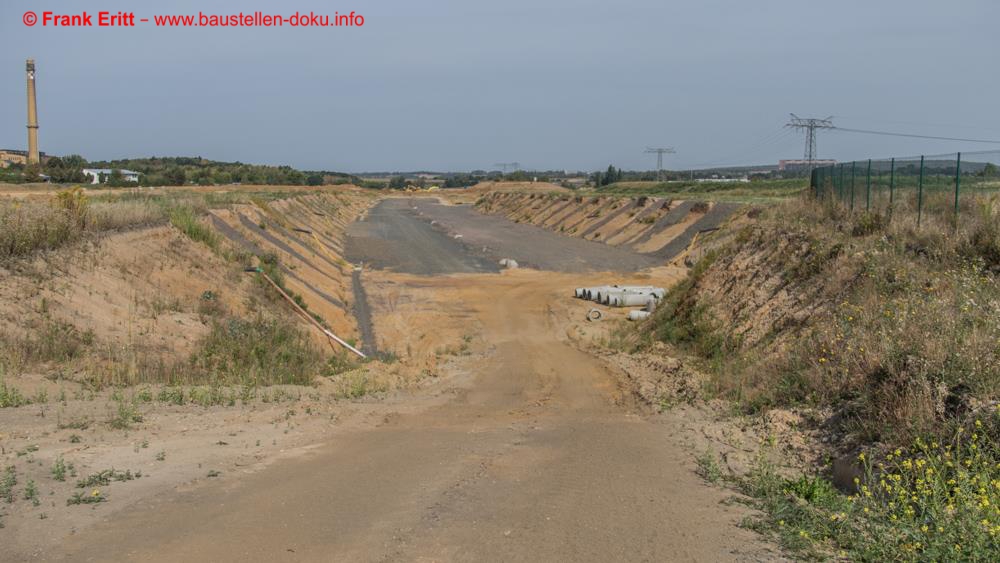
(632, 298)
(638, 315)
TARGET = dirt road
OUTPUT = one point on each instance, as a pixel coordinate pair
(536, 460)
(538, 456)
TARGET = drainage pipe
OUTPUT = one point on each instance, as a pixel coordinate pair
(308, 317)
(638, 315)
(631, 298)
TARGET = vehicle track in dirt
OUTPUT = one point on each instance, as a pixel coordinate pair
(541, 457)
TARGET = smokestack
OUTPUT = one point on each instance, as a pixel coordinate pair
(33, 157)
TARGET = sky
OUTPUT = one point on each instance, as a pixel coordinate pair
(456, 85)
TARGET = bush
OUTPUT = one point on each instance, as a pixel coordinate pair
(260, 351)
(186, 221)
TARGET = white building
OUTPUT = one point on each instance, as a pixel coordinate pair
(101, 175)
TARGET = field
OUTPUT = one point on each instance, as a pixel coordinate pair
(755, 191)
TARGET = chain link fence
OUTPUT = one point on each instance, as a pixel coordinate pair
(929, 187)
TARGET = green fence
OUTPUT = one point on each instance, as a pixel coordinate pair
(934, 187)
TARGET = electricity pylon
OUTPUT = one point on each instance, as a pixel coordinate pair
(659, 152)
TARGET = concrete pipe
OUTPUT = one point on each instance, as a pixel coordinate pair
(594, 315)
(638, 315)
(597, 293)
(613, 297)
(636, 299)
(509, 263)
(622, 297)
(659, 292)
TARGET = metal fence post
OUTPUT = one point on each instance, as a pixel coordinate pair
(958, 184)
(920, 191)
(868, 188)
(840, 184)
(854, 169)
(892, 179)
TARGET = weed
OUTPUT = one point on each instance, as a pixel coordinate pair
(186, 220)
(31, 493)
(81, 424)
(11, 397)
(60, 468)
(126, 414)
(161, 455)
(931, 501)
(105, 477)
(214, 473)
(94, 497)
(7, 483)
(171, 395)
(357, 383)
(708, 466)
(45, 340)
(209, 305)
(75, 439)
(338, 364)
(261, 350)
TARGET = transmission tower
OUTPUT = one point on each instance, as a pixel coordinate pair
(505, 166)
(659, 152)
(810, 125)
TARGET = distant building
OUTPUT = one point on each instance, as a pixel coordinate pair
(798, 165)
(11, 156)
(101, 175)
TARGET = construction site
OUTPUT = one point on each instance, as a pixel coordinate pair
(382, 349)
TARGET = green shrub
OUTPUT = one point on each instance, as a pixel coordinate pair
(931, 501)
(265, 351)
(186, 220)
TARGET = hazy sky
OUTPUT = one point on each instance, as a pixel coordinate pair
(463, 84)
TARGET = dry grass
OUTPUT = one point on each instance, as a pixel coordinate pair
(121, 215)
(904, 342)
(31, 226)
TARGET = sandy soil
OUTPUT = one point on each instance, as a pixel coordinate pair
(539, 457)
(658, 228)
(515, 444)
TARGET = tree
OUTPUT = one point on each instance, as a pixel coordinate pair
(66, 170)
(314, 180)
(611, 176)
(397, 183)
(990, 170)
(176, 176)
(32, 173)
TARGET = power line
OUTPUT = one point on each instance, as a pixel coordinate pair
(757, 148)
(917, 123)
(914, 136)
